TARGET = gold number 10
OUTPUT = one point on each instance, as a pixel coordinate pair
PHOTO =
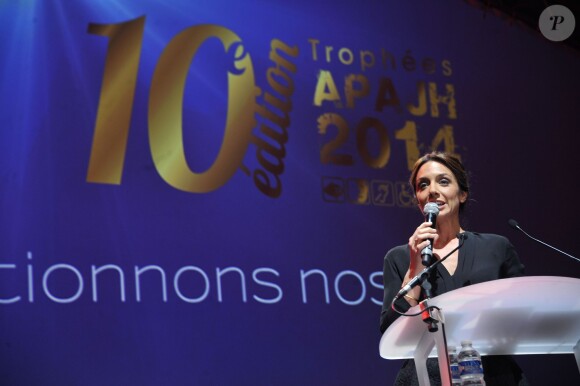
(165, 106)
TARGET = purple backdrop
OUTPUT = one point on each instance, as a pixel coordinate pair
(203, 192)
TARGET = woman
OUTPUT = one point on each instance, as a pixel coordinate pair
(441, 178)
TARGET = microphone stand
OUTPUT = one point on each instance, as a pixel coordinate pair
(434, 337)
(426, 311)
(426, 273)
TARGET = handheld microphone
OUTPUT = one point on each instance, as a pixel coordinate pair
(513, 223)
(431, 210)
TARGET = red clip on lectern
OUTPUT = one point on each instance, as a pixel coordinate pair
(523, 315)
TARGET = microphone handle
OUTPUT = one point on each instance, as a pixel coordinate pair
(427, 252)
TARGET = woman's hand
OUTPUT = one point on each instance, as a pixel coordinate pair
(417, 242)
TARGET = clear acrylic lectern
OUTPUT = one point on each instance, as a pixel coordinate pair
(523, 315)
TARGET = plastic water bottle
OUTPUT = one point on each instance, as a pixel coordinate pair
(454, 366)
(470, 365)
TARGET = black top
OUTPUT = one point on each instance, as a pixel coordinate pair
(483, 257)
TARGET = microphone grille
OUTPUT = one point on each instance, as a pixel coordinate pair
(431, 207)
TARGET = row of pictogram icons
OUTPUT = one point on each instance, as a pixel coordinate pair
(360, 191)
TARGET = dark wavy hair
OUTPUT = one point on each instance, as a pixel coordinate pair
(452, 163)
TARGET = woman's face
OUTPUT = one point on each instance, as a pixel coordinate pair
(436, 183)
